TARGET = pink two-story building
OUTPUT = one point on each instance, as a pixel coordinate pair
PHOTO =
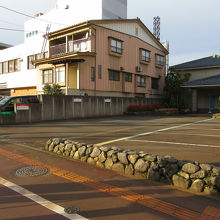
(113, 58)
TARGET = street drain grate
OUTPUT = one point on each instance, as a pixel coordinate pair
(31, 171)
(72, 210)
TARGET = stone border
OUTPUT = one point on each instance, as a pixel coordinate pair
(184, 174)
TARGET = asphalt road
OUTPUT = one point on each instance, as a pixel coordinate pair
(98, 193)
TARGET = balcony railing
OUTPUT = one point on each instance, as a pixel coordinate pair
(82, 45)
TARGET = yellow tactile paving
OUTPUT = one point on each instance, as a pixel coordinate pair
(211, 213)
(147, 201)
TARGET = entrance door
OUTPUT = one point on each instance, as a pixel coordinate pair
(212, 103)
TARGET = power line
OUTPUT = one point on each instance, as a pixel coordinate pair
(11, 23)
(17, 12)
(11, 29)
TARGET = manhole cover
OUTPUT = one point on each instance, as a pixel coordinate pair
(31, 171)
(72, 209)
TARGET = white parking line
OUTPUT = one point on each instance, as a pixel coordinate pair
(191, 134)
(152, 132)
(43, 202)
(174, 143)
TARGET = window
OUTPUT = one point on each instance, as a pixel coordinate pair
(155, 83)
(114, 75)
(92, 74)
(30, 64)
(160, 60)
(60, 74)
(100, 71)
(128, 77)
(5, 67)
(145, 55)
(17, 65)
(141, 81)
(11, 66)
(48, 76)
(116, 46)
(1, 66)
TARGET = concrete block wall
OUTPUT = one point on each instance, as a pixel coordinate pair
(61, 107)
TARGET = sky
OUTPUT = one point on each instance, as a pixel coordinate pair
(190, 26)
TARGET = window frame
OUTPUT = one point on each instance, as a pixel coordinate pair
(49, 81)
(114, 75)
(159, 60)
(155, 83)
(141, 81)
(118, 47)
(58, 71)
(30, 59)
(128, 77)
(144, 58)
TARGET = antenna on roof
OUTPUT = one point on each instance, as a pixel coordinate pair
(156, 24)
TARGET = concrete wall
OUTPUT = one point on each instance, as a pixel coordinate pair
(69, 107)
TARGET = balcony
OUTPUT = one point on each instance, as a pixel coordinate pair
(81, 45)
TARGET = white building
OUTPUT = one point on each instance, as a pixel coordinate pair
(18, 76)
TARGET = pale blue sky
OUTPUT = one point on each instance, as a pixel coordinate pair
(191, 26)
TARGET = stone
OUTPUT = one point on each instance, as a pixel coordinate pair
(171, 169)
(141, 166)
(108, 163)
(99, 164)
(216, 171)
(114, 158)
(133, 158)
(180, 182)
(206, 167)
(118, 167)
(153, 175)
(72, 153)
(51, 147)
(150, 157)
(142, 154)
(82, 151)
(84, 159)
(57, 141)
(190, 168)
(170, 159)
(61, 147)
(105, 149)
(161, 161)
(183, 162)
(129, 170)
(199, 175)
(68, 147)
(116, 148)
(209, 190)
(76, 155)
(102, 157)
(55, 150)
(197, 186)
(183, 174)
(66, 153)
(123, 158)
(109, 154)
(154, 166)
(96, 159)
(95, 153)
(91, 161)
(89, 151)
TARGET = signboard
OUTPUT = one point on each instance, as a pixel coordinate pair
(77, 99)
(107, 100)
(3, 85)
(22, 107)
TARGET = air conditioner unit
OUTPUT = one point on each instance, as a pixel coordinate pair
(138, 68)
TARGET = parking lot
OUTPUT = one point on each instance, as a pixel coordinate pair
(184, 137)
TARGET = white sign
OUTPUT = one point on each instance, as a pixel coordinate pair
(22, 107)
(108, 100)
(77, 99)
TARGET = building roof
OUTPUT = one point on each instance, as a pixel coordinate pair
(204, 82)
(3, 45)
(207, 62)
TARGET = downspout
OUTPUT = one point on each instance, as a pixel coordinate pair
(95, 63)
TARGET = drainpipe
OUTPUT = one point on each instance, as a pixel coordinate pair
(67, 76)
(95, 63)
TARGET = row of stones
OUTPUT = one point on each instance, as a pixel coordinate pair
(181, 173)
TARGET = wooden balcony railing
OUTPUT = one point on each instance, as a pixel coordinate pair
(82, 45)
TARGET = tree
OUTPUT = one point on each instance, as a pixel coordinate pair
(173, 91)
(55, 89)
